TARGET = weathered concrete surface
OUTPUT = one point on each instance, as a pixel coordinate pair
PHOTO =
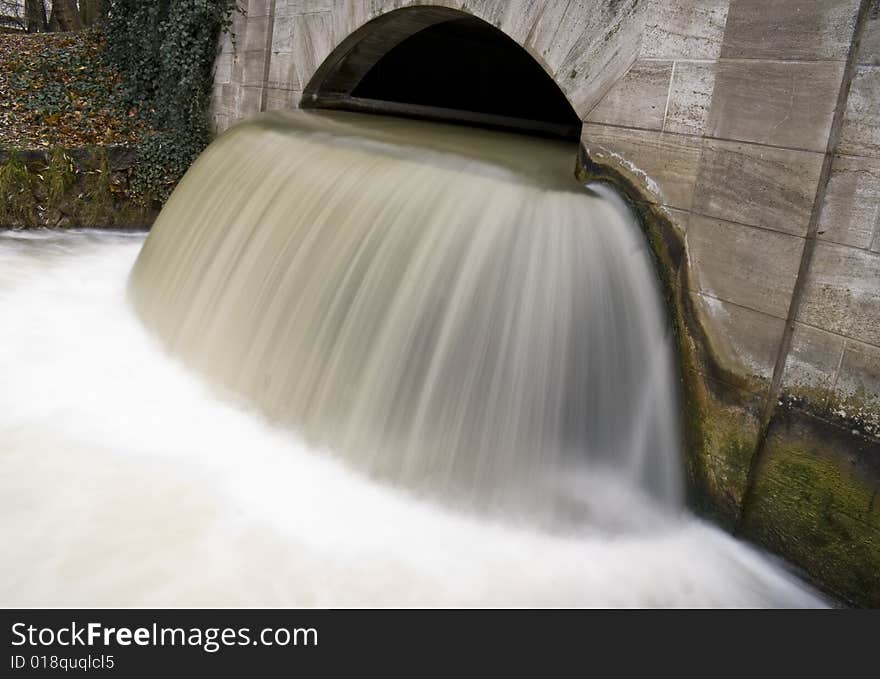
(748, 133)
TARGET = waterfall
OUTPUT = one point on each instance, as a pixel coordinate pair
(368, 362)
(444, 308)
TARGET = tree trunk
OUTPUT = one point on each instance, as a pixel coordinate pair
(35, 11)
(65, 16)
(92, 11)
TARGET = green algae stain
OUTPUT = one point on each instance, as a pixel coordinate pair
(18, 201)
(820, 511)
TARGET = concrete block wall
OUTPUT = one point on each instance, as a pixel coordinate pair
(755, 125)
(841, 305)
(754, 128)
(734, 100)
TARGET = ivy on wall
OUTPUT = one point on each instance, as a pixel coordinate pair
(165, 52)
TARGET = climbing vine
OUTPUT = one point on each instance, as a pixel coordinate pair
(165, 51)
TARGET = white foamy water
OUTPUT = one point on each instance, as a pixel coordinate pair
(124, 480)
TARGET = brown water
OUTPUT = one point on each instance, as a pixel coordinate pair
(444, 307)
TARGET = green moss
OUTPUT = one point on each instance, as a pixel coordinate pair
(97, 207)
(721, 433)
(18, 202)
(59, 177)
(63, 188)
(816, 509)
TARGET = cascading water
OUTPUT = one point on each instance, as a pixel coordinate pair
(443, 306)
(438, 307)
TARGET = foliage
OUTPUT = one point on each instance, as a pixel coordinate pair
(141, 79)
(60, 90)
(165, 51)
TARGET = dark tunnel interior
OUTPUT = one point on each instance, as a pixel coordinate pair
(467, 65)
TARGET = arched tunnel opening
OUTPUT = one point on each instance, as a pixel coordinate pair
(441, 64)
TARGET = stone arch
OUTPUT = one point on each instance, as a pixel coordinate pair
(584, 46)
(441, 63)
